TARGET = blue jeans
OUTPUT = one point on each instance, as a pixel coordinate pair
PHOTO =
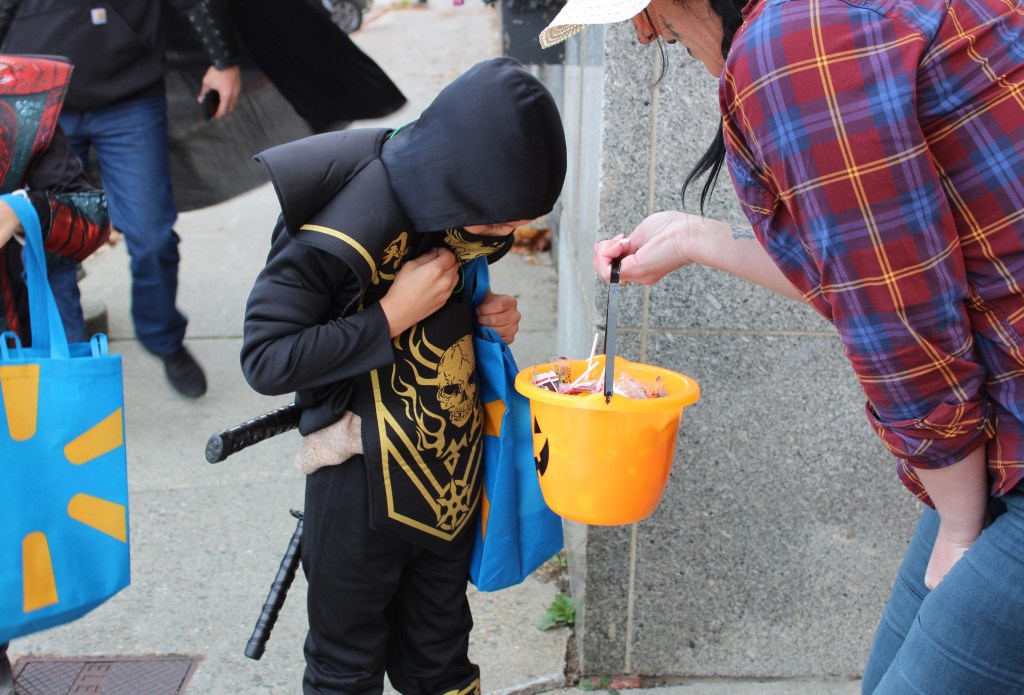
(130, 140)
(966, 636)
(63, 278)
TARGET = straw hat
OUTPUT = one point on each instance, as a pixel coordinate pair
(578, 13)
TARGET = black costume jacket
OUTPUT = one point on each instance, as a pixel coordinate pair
(416, 395)
(356, 205)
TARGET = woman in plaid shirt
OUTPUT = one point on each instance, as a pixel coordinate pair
(877, 149)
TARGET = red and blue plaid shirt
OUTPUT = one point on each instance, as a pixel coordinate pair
(877, 147)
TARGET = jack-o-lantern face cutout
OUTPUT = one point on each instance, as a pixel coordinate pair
(540, 448)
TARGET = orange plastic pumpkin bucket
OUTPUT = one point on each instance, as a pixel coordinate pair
(606, 462)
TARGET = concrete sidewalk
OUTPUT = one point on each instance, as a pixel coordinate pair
(206, 539)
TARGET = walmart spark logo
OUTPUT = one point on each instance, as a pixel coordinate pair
(494, 412)
(63, 478)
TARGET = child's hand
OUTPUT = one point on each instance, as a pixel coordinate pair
(498, 311)
(421, 287)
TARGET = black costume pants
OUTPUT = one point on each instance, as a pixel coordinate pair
(377, 603)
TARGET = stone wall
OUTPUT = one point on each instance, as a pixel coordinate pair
(783, 523)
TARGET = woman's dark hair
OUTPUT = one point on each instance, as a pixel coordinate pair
(711, 161)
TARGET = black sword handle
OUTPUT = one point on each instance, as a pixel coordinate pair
(278, 591)
(226, 442)
(611, 318)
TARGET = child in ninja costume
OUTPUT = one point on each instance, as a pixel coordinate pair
(361, 311)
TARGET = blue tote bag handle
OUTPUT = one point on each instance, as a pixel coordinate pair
(48, 336)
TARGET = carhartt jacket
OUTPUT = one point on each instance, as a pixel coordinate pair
(117, 46)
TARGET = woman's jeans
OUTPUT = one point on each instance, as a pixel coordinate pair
(130, 140)
(966, 636)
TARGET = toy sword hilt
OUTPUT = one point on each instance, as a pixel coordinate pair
(226, 442)
(278, 590)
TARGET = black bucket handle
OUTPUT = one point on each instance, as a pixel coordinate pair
(610, 319)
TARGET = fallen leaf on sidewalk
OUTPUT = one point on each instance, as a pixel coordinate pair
(532, 238)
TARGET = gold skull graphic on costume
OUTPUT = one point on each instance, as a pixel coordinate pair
(439, 394)
(456, 390)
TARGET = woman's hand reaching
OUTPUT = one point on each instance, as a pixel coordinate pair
(670, 240)
(655, 248)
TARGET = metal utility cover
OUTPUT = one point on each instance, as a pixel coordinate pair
(117, 675)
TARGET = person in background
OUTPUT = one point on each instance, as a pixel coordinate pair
(330, 81)
(877, 149)
(116, 106)
(36, 162)
(363, 311)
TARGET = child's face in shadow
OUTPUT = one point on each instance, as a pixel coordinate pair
(498, 229)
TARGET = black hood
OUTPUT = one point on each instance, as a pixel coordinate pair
(490, 148)
(309, 173)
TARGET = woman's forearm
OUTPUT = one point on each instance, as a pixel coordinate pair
(735, 249)
(671, 239)
(960, 495)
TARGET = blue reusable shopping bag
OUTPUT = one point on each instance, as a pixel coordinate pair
(63, 472)
(516, 532)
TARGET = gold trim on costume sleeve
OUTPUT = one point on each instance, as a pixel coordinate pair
(348, 240)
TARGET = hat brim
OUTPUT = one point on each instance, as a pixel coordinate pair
(579, 13)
